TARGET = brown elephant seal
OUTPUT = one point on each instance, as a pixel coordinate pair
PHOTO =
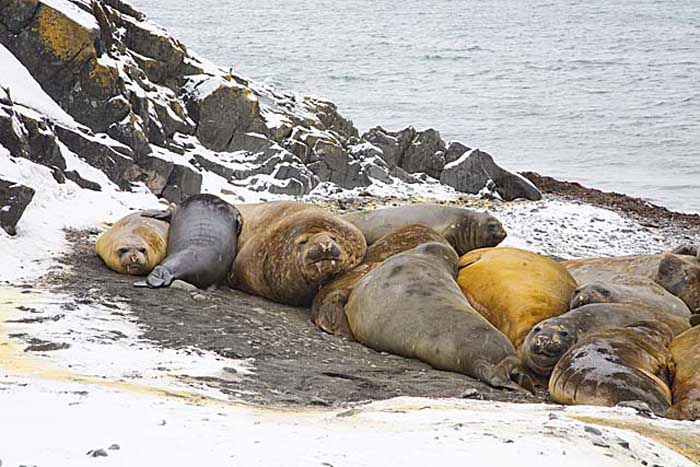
(201, 242)
(328, 307)
(616, 287)
(550, 339)
(515, 289)
(288, 249)
(464, 229)
(614, 365)
(411, 305)
(685, 349)
(680, 275)
(134, 244)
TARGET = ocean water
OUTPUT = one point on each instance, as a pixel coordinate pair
(603, 92)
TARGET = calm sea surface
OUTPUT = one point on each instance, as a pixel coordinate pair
(604, 92)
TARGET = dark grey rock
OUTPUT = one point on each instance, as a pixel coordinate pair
(102, 156)
(297, 148)
(17, 14)
(454, 151)
(74, 176)
(114, 447)
(182, 183)
(471, 172)
(327, 113)
(97, 453)
(228, 110)
(404, 176)
(14, 199)
(426, 154)
(301, 179)
(392, 144)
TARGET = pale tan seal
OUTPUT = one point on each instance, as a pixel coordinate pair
(328, 307)
(134, 244)
(617, 287)
(615, 365)
(515, 289)
(287, 250)
(411, 306)
(686, 380)
(550, 339)
(463, 228)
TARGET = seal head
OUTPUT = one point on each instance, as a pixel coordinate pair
(545, 345)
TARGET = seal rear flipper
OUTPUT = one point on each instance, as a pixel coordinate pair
(508, 374)
(330, 314)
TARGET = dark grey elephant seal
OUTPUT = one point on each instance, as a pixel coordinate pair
(550, 339)
(202, 242)
(614, 365)
(412, 306)
(464, 229)
(617, 287)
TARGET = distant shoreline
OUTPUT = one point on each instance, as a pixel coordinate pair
(645, 212)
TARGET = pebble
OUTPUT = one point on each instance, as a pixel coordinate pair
(97, 453)
(469, 393)
(114, 447)
(182, 285)
(592, 430)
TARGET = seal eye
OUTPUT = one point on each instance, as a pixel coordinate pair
(565, 333)
(303, 241)
(142, 250)
(122, 251)
(537, 329)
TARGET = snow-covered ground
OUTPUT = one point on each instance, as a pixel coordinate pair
(133, 402)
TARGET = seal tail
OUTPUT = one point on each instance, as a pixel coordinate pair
(508, 373)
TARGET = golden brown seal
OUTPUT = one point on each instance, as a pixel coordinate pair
(550, 339)
(463, 228)
(686, 381)
(287, 250)
(410, 305)
(134, 244)
(328, 307)
(515, 289)
(629, 364)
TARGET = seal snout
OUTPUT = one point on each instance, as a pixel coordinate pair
(545, 345)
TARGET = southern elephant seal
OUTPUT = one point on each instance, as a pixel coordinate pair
(617, 365)
(411, 306)
(288, 249)
(463, 228)
(201, 242)
(515, 289)
(328, 307)
(134, 244)
(685, 349)
(617, 287)
(550, 339)
(680, 275)
(587, 269)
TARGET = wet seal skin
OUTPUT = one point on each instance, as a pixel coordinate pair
(288, 249)
(201, 242)
(411, 306)
(328, 307)
(550, 339)
(464, 229)
(616, 365)
(134, 244)
(515, 289)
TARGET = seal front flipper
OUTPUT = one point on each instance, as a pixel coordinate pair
(508, 374)
(329, 315)
(165, 215)
(159, 277)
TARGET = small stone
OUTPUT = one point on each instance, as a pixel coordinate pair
(114, 447)
(182, 285)
(469, 393)
(592, 430)
(97, 453)
(198, 297)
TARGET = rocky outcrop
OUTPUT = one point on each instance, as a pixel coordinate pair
(149, 111)
(476, 169)
(14, 199)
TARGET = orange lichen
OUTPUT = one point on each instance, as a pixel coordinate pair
(103, 75)
(65, 38)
